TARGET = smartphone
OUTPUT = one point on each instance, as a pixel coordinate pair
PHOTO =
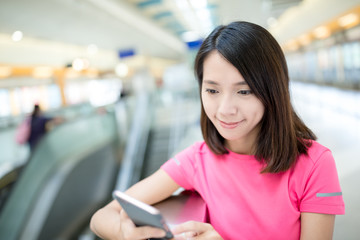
(141, 213)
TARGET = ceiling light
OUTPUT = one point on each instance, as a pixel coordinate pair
(17, 36)
(348, 20)
(292, 45)
(121, 69)
(42, 72)
(198, 4)
(5, 71)
(80, 64)
(190, 36)
(322, 32)
(203, 14)
(304, 39)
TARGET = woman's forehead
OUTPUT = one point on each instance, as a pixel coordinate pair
(218, 70)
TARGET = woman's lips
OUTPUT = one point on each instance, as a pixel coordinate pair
(229, 125)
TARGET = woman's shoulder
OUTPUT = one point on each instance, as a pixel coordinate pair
(316, 150)
(196, 151)
(316, 154)
(198, 147)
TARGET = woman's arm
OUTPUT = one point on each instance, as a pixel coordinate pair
(317, 226)
(106, 221)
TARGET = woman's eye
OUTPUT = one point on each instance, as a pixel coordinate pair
(211, 91)
(245, 92)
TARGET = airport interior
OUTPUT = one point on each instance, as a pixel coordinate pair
(117, 75)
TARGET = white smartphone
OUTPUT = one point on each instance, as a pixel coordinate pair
(141, 213)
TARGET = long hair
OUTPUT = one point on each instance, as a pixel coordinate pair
(256, 54)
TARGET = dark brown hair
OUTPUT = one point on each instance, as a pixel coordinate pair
(259, 58)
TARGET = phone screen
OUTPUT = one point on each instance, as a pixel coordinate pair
(141, 213)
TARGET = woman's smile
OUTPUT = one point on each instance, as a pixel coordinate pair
(230, 125)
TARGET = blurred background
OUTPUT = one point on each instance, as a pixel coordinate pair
(115, 80)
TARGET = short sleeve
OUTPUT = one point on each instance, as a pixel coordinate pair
(181, 168)
(322, 192)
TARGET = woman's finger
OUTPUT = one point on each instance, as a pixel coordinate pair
(146, 232)
(195, 231)
(130, 231)
(125, 218)
(191, 227)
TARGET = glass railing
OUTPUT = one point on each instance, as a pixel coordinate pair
(141, 115)
(14, 155)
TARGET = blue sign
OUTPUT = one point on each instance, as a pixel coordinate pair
(194, 44)
(126, 53)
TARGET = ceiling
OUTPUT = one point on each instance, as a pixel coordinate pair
(150, 27)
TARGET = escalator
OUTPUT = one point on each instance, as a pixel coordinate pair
(76, 167)
(68, 177)
(175, 126)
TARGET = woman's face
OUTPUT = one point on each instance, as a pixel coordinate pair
(230, 104)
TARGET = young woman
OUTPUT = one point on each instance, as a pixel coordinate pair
(259, 170)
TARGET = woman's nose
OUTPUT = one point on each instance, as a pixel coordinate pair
(227, 106)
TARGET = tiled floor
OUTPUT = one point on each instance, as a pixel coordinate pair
(334, 116)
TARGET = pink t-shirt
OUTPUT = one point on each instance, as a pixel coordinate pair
(245, 204)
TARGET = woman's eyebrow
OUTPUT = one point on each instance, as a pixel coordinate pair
(210, 82)
(241, 83)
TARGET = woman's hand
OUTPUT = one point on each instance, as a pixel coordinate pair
(129, 231)
(111, 222)
(195, 231)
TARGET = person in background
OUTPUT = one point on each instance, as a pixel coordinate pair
(260, 171)
(39, 125)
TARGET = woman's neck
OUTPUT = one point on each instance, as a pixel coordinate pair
(245, 145)
(240, 147)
